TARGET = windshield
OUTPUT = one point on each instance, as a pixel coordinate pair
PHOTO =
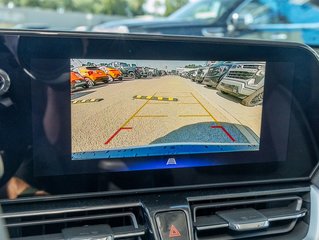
(277, 20)
(203, 10)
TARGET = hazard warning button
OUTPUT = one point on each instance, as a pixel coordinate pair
(172, 225)
(173, 232)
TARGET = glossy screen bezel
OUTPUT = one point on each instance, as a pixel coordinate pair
(161, 47)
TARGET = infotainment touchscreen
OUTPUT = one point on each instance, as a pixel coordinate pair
(124, 108)
(134, 111)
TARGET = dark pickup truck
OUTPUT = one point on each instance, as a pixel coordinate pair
(131, 71)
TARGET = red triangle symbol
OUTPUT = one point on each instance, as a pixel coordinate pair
(173, 232)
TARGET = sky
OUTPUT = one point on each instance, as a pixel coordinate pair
(159, 64)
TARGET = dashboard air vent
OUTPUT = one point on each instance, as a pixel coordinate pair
(238, 218)
(99, 222)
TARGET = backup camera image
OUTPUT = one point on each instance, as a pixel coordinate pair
(133, 108)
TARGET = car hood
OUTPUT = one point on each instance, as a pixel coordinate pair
(145, 24)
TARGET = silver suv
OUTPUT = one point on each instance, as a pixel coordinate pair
(246, 82)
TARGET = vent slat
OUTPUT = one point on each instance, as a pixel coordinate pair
(70, 219)
(44, 237)
(215, 222)
(124, 222)
(127, 232)
(66, 210)
(281, 212)
(119, 233)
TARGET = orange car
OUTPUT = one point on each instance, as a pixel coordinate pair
(93, 75)
(77, 80)
(113, 72)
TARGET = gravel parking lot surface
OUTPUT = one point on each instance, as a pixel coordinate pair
(127, 117)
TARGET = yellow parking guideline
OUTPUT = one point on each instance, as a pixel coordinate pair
(194, 115)
(188, 103)
(91, 100)
(150, 116)
(138, 110)
(171, 99)
(202, 105)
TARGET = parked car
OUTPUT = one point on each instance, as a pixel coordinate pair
(216, 72)
(245, 83)
(114, 73)
(193, 75)
(127, 70)
(162, 73)
(258, 19)
(93, 75)
(201, 73)
(143, 71)
(77, 81)
(153, 72)
(183, 74)
(188, 74)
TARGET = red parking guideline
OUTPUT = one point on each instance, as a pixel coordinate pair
(225, 131)
(117, 132)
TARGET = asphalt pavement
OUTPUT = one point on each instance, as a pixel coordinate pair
(159, 110)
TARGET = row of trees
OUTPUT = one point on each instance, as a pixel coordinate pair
(110, 7)
(192, 66)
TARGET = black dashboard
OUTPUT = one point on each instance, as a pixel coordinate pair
(117, 135)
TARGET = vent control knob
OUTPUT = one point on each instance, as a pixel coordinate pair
(246, 219)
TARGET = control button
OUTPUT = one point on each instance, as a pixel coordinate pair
(245, 219)
(173, 232)
(172, 225)
(171, 161)
(4, 82)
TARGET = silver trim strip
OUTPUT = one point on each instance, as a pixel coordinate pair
(298, 214)
(210, 227)
(73, 219)
(66, 210)
(129, 235)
